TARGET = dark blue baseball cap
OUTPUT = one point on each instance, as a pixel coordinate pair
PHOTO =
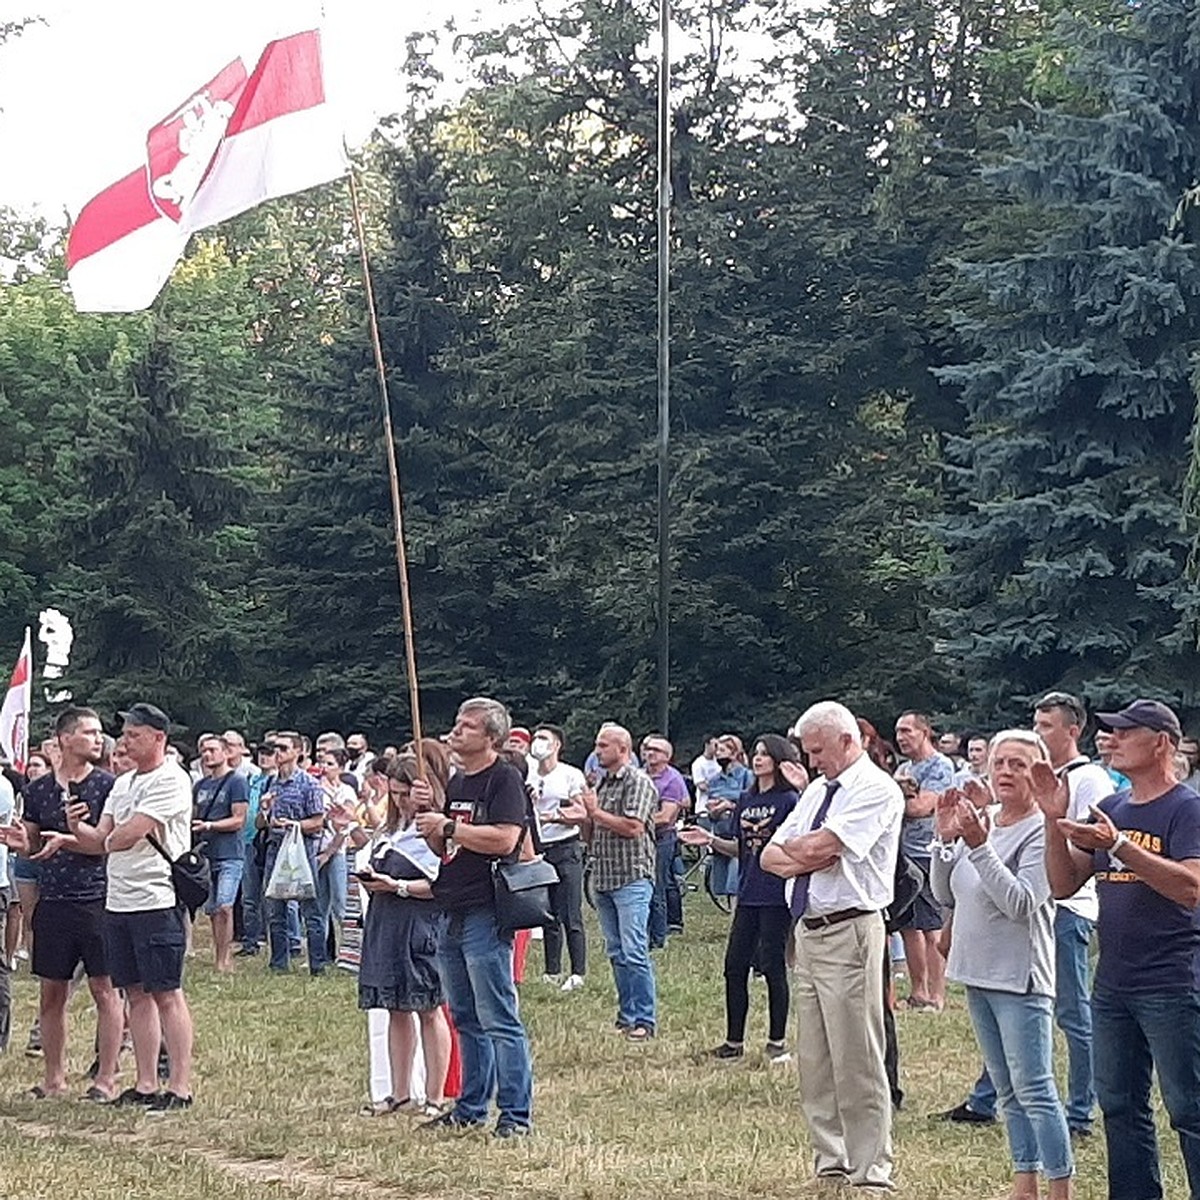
(1144, 714)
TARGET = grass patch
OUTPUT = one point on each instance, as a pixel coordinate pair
(281, 1073)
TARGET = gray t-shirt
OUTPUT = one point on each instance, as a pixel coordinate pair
(932, 774)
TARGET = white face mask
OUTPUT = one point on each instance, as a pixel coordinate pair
(541, 748)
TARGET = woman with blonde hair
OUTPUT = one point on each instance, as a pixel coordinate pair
(990, 868)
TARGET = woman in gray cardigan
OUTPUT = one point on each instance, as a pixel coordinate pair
(992, 873)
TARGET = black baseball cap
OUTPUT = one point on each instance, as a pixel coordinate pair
(1144, 714)
(146, 714)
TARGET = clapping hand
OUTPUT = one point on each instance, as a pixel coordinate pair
(428, 823)
(978, 792)
(1049, 791)
(1088, 835)
(945, 815)
(77, 813)
(795, 774)
(575, 811)
(973, 823)
(693, 835)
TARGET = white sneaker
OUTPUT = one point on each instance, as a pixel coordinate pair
(554, 979)
(572, 983)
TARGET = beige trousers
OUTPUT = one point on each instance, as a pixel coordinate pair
(838, 1000)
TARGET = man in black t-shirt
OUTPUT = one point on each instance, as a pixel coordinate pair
(68, 921)
(484, 820)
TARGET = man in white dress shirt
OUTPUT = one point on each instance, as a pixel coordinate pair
(839, 848)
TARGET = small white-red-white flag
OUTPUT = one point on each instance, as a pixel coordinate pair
(241, 138)
(14, 713)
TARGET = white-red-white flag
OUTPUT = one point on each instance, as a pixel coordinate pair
(14, 713)
(241, 138)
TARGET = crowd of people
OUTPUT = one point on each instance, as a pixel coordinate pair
(986, 859)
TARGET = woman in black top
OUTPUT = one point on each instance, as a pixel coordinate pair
(401, 934)
(761, 923)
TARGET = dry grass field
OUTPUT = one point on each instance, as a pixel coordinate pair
(281, 1076)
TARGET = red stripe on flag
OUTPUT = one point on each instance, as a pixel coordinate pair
(20, 672)
(287, 79)
(115, 213)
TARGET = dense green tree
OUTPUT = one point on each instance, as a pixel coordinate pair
(1066, 551)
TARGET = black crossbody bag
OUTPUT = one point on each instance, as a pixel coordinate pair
(190, 876)
(522, 889)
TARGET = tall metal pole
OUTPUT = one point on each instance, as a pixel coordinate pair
(664, 368)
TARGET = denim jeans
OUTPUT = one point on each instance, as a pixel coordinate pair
(476, 968)
(280, 927)
(664, 870)
(1016, 1035)
(252, 900)
(624, 915)
(1136, 1033)
(333, 882)
(1073, 1012)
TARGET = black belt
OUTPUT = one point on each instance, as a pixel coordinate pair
(836, 918)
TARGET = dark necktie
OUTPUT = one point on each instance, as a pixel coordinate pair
(800, 885)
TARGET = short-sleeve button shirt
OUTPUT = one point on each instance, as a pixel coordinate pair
(67, 875)
(618, 860)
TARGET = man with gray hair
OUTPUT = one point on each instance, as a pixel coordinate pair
(484, 820)
(839, 847)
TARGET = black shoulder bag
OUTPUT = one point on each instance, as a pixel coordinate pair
(522, 889)
(190, 876)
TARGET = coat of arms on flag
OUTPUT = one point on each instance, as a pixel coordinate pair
(239, 139)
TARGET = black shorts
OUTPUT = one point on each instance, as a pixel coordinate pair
(926, 914)
(66, 933)
(146, 949)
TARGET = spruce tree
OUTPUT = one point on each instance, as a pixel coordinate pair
(1065, 547)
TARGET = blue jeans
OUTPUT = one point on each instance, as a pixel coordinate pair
(333, 881)
(624, 916)
(279, 925)
(1073, 1012)
(252, 900)
(1137, 1033)
(475, 964)
(1016, 1035)
(664, 868)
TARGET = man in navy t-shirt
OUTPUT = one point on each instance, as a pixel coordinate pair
(1143, 846)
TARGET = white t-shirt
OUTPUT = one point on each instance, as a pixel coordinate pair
(1087, 784)
(8, 803)
(552, 790)
(139, 879)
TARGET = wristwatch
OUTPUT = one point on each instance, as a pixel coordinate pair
(1115, 849)
(448, 829)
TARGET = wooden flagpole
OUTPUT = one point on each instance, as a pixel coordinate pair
(414, 696)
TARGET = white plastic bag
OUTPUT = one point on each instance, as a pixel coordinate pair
(292, 876)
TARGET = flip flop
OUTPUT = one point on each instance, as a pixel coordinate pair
(37, 1092)
(96, 1095)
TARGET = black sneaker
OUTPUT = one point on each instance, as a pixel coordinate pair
(725, 1050)
(132, 1097)
(510, 1129)
(452, 1121)
(962, 1115)
(33, 1047)
(170, 1102)
(245, 952)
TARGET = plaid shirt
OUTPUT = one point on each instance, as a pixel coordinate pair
(618, 860)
